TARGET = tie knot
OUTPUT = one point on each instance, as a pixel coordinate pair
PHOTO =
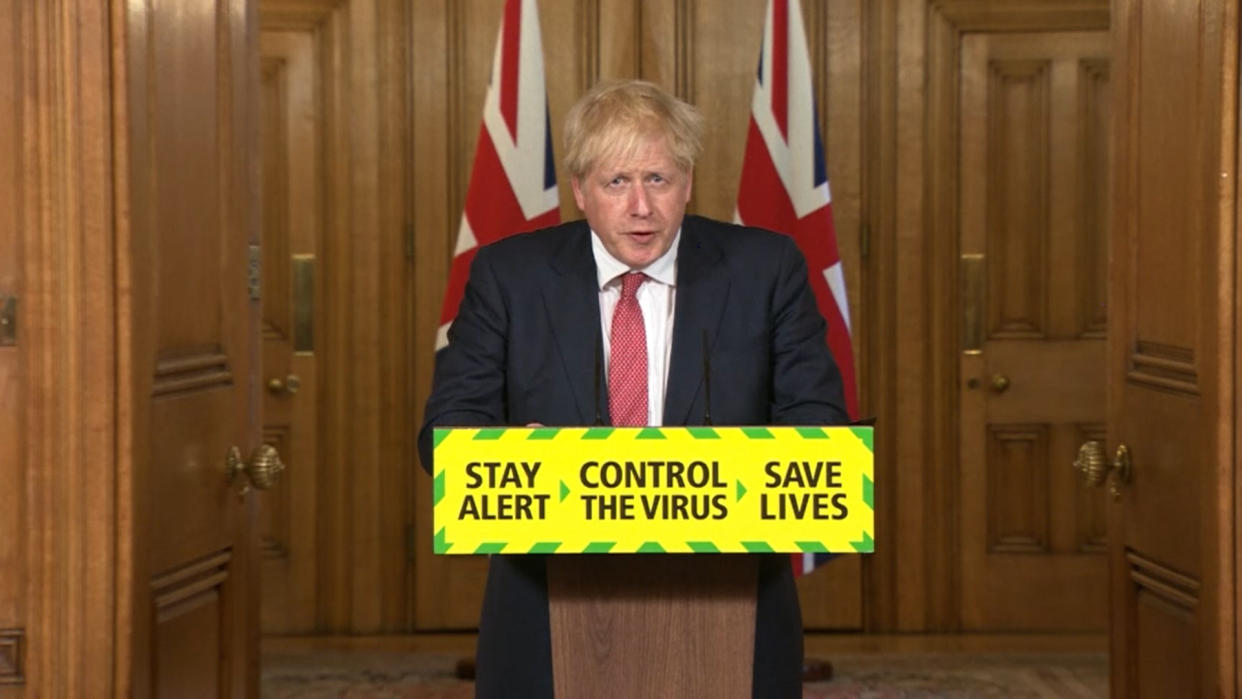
(630, 283)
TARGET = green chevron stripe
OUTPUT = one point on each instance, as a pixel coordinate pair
(867, 545)
(599, 547)
(441, 545)
(438, 435)
(757, 433)
(811, 546)
(544, 433)
(703, 547)
(491, 547)
(758, 547)
(545, 547)
(651, 433)
(741, 490)
(651, 547)
(488, 434)
(598, 433)
(867, 435)
(703, 433)
(564, 491)
(437, 488)
(812, 433)
(868, 491)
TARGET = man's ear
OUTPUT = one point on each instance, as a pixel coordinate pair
(576, 185)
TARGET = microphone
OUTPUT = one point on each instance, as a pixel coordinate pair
(707, 382)
(599, 370)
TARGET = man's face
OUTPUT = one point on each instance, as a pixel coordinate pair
(635, 204)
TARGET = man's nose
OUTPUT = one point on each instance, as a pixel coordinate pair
(640, 204)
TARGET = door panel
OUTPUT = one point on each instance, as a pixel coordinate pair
(1033, 164)
(192, 204)
(1171, 350)
(292, 217)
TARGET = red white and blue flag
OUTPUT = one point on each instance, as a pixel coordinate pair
(784, 185)
(513, 181)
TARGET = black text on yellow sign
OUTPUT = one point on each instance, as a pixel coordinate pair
(624, 490)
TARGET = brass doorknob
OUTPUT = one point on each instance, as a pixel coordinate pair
(1095, 468)
(261, 472)
(286, 387)
(1000, 383)
(1091, 463)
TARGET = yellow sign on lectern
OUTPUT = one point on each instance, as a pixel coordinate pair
(654, 490)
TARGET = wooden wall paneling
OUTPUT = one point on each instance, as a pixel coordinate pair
(450, 83)
(397, 461)
(616, 41)
(707, 53)
(914, 541)
(12, 389)
(67, 345)
(432, 193)
(877, 375)
(372, 452)
(335, 582)
(429, 188)
(361, 375)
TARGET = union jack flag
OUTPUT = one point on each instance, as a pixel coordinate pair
(513, 180)
(784, 184)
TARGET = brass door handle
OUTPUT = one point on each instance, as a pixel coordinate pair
(285, 387)
(1000, 383)
(261, 473)
(1095, 468)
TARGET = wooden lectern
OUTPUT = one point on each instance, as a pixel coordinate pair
(648, 625)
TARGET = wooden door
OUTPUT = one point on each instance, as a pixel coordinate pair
(1172, 349)
(188, 192)
(290, 138)
(1034, 118)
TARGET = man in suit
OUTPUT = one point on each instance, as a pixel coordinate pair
(541, 310)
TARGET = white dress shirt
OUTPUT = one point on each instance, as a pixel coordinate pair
(656, 300)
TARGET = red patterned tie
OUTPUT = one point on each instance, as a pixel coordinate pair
(627, 358)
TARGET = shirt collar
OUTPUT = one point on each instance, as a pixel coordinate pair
(608, 268)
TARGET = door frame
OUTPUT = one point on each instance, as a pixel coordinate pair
(71, 333)
(947, 22)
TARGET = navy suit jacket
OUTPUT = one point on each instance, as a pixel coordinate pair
(523, 349)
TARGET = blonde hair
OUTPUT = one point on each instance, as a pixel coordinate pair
(615, 119)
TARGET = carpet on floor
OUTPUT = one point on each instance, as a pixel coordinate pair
(390, 675)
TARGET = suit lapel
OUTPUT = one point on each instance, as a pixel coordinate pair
(571, 299)
(702, 290)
